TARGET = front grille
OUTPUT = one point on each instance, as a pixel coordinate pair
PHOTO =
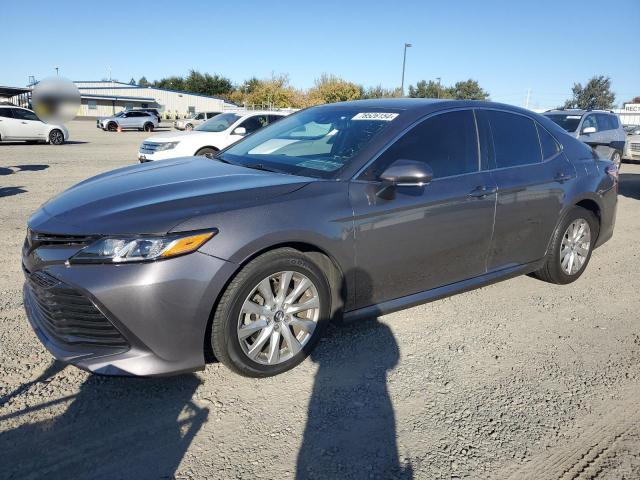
(635, 147)
(37, 239)
(68, 317)
(149, 147)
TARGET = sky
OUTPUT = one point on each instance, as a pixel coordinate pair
(509, 47)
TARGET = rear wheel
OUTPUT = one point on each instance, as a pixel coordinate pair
(148, 127)
(272, 314)
(571, 247)
(208, 152)
(56, 137)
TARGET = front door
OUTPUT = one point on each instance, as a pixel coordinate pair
(429, 236)
(27, 125)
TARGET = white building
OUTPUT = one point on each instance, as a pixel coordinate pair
(104, 98)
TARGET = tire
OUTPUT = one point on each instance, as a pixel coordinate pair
(208, 152)
(616, 158)
(148, 127)
(112, 126)
(553, 269)
(188, 127)
(56, 137)
(249, 356)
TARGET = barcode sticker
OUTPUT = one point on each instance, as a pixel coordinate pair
(382, 116)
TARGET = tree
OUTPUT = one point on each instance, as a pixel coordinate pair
(132, 81)
(330, 88)
(380, 92)
(596, 94)
(172, 83)
(275, 92)
(634, 100)
(143, 82)
(468, 90)
(430, 89)
(207, 84)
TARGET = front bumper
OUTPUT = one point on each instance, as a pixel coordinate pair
(155, 313)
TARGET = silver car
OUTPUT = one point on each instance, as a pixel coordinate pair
(194, 120)
(598, 128)
(128, 120)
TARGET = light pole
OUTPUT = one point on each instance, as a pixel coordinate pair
(439, 87)
(57, 70)
(404, 61)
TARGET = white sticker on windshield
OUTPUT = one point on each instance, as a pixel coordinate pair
(574, 117)
(381, 116)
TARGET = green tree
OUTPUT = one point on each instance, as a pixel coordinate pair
(172, 83)
(330, 88)
(468, 90)
(207, 84)
(380, 92)
(596, 94)
(430, 89)
(143, 82)
(275, 92)
(132, 81)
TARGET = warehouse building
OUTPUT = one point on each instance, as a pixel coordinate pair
(107, 97)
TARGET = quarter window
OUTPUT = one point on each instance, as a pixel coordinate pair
(515, 139)
(549, 145)
(447, 143)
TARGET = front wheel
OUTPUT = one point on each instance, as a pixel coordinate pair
(188, 127)
(616, 158)
(208, 152)
(272, 314)
(56, 137)
(571, 247)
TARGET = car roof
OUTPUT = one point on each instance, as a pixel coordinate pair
(576, 111)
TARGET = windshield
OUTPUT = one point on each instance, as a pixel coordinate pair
(119, 114)
(568, 122)
(317, 142)
(219, 123)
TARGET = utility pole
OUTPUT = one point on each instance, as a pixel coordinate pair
(404, 61)
(57, 70)
(439, 87)
(526, 103)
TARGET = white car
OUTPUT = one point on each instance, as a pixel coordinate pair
(632, 148)
(194, 120)
(17, 123)
(207, 139)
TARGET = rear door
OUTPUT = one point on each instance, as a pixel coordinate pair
(429, 236)
(531, 185)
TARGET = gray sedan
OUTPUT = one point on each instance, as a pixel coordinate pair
(342, 211)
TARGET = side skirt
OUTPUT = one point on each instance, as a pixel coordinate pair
(427, 296)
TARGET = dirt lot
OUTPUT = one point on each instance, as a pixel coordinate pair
(521, 379)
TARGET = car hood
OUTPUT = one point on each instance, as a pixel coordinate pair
(156, 196)
(175, 136)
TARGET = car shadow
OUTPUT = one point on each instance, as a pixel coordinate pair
(10, 191)
(630, 185)
(22, 168)
(43, 144)
(112, 428)
(351, 429)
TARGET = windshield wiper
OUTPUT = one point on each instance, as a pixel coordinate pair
(260, 166)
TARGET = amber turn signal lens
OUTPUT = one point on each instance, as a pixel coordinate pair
(186, 244)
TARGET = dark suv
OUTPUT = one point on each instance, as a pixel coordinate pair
(348, 210)
(599, 128)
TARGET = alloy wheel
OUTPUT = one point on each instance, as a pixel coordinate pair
(56, 137)
(278, 317)
(575, 246)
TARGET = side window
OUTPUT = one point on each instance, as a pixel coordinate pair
(515, 139)
(615, 121)
(549, 144)
(6, 113)
(274, 118)
(604, 122)
(21, 114)
(447, 143)
(200, 116)
(254, 123)
(589, 121)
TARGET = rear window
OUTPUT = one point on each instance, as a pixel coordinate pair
(515, 139)
(549, 145)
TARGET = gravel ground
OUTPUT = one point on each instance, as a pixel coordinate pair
(520, 379)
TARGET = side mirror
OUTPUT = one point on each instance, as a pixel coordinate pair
(588, 130)
(407, 173)
(403, 173)
(239, 131)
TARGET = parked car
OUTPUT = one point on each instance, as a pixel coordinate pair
(632, 147)
(152, 111)
(207, 139)
(17, 123)
(600, 128)
(340, 211)
(128, 120)
(194, 120)
(632, 129)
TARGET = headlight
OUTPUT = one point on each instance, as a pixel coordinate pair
(166, 146)
(140, 249)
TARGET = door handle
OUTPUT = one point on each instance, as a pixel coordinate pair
(563, 177)
(24, 123)
(482, 191)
